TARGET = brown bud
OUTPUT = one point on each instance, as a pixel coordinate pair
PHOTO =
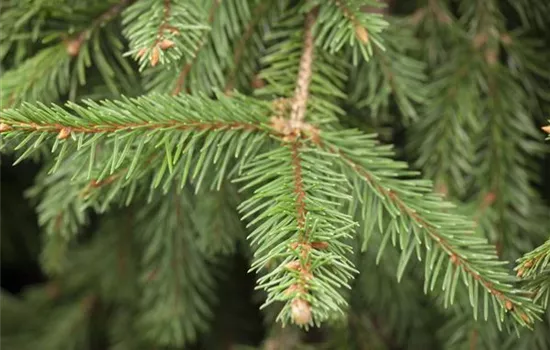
(506, 39)
(293, 265)
(173, 30)
(454, 259)
(444, 18)
(166, 44)
(525, 318)
(480, 40)
(489, 198)
(152, 275)
(73, 47)
(155, 56)
(4, 127)
(520, 272)
(442, 189)
(257, 82)
(546, 129)
(96, 183)
(361, 33)
(319, 245)
(88, 302)
(53, 290)
(141, 52)
(64, 133)
(528, 263)
(509, 305)
(301, 312)
(292, 289)
(306, 276)
(491, 57)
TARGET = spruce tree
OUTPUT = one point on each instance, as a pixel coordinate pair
(176, 136)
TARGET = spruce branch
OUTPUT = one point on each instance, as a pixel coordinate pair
(164, 31)
(176, 283)
(446, 235)
(533, 13)
(42, 77)
(504, 174)
(74, 44)
(59, 69)
(301, 234)
(392, 74)
(180, 82)
(308, 181)
(253, 28)
(282, 63)
(445, 150)
(124, 137)
(343, 23)
(534, 267)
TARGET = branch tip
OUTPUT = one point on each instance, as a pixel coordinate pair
(300, 311)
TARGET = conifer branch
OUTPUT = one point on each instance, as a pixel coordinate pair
(186, 121)
(356, 28)
(534, 262)
(74, 44)
(449, 232)
(238, 52)
(47, 75)
(393, 74)
(176, 282)
(163, 31)
(27, 81)
(180, 82)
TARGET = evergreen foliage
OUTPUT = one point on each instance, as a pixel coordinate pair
(173, 135)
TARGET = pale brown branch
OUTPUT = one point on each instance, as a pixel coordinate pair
(301, 92)
(64, 131)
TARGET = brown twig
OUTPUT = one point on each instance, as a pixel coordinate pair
(473, 339)
(65, 131)
(301, 92)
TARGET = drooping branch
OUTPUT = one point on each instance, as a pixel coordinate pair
(503, 292)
